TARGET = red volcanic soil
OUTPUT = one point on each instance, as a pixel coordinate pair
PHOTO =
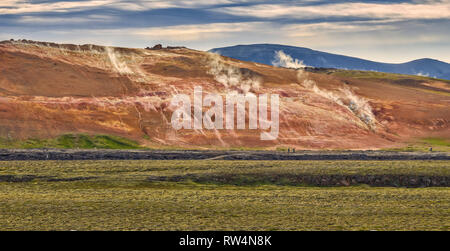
(49, 89)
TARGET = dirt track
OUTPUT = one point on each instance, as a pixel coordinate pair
(58, 154)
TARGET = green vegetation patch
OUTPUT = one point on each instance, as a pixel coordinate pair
(71, 141)
(437, 141)
(196, 207)
(376, 75)
(140, 170)
(117, 195)
(424, 145)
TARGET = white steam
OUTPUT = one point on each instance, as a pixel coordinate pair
(285, 60)
(118, 64)
(131, 69)
(231, 76)
(345, 97)
(360, 107)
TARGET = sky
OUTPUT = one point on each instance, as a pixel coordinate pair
(386, 31)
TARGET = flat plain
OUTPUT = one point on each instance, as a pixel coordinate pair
(224, 195)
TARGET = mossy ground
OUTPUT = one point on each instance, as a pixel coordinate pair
(424, 145)
(85, 141)
(376, 75)
(119, 196)
(70, 141)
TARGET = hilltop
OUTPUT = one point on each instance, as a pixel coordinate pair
(48, 90)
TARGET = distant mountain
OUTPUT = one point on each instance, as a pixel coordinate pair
(265, 54)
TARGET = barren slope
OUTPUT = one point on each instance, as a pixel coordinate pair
(49, 89)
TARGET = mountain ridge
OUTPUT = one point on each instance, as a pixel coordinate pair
(265, 54)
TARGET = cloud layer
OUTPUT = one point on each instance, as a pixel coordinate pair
(392, 31)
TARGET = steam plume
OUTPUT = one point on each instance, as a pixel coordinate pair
(231, 76)
(285, 60)
(118, 65)
(345, 97)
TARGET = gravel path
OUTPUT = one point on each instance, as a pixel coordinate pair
(71, 154)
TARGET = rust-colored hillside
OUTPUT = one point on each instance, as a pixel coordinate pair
(49, 89)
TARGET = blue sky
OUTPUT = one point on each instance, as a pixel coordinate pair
(388, 31)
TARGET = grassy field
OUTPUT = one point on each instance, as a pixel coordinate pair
(71, 141)
(124, 195)
(84, 141)
(376, 75)
(424, 145)
(410, 81)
